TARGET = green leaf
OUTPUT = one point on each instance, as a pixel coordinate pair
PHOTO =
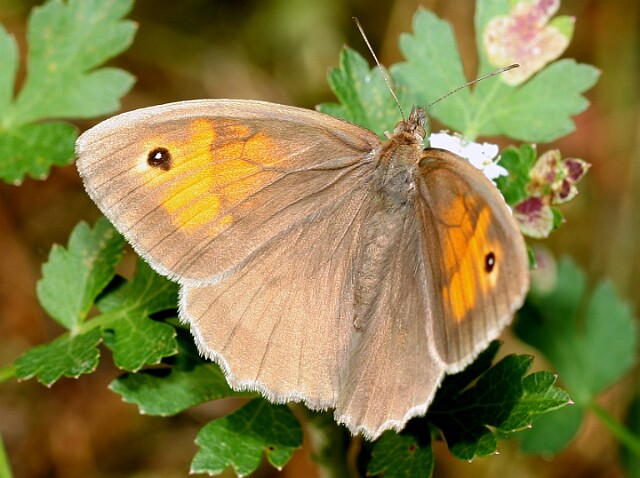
(67, 41)
(240, 439)
(518, 161)
(541, 109)
(73, 277)
(31, 149)
(364, 97)
(433, 69)
(610, 339)
(551, 432)
(472, 407)
(146, 294)
(592, 349)
(558, 217)
(464, 418)
(137, 339)
(401, 456)
(590, 337)
(68, 355)
(190, 381)
(454, 384)
(539, 396)
(9, 55)
(630, 459)
(71, 280)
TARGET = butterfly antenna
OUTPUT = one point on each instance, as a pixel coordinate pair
(493, 73)
(384, 75)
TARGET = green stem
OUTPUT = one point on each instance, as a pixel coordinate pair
(622, 434)
(5, 467)
(99, 321)
(7, 373)
(328, 444)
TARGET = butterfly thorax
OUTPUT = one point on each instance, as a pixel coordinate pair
(395, 173)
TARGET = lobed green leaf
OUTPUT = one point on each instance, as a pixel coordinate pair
(188, 382)
(31, 149)
(541, 109)
(551, 432)
(364, 97)
(73, 277)
(9, 55)
(240, 439)
(68, 355)
(590, 351)
(539, 397)
(67, 41)
(401, 456)
(137, 339)
(590, 337)
(432, 69)
(464, 418)
(518, 162)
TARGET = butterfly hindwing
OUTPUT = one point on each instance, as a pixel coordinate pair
(391, 374)
(283, 323)
(475, 257)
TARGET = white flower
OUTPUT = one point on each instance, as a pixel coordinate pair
(483, 156)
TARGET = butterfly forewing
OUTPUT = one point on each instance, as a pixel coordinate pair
(198, 187)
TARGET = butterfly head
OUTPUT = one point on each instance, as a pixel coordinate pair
(414, 127)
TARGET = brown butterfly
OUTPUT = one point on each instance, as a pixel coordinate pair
(316, 263)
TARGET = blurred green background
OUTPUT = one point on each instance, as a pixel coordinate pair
(280, 50)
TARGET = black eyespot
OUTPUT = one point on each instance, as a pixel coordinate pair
(489, 262)
(159, 158)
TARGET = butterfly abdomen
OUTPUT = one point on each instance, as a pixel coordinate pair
(388, 225)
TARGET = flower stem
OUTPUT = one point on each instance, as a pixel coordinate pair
(7, 373)
(328, 442)
(622, 434)
(5, 467)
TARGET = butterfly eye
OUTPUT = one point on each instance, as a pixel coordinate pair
(489, 262)
(159, 158)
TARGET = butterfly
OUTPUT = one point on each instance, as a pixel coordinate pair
(317, 262)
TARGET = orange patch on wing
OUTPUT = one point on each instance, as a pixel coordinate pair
(238, 178)
(215, 166)
(464, 250)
